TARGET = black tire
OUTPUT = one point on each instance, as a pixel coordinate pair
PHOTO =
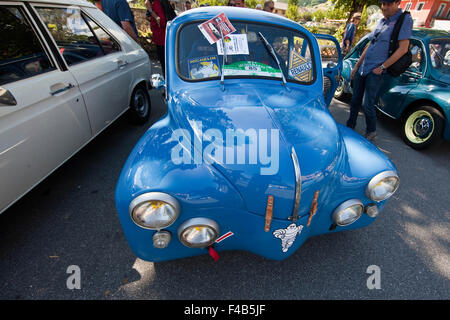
(140, 105)
(340, 94)
(422, 126)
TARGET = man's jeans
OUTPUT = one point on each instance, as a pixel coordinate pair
(366, 87)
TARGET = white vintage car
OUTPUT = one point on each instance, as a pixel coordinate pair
(67, 71)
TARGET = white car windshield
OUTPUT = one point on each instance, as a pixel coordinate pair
(246, 53)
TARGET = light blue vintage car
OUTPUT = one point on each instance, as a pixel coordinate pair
(248, 156)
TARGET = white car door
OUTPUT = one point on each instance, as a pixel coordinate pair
(43, 119)
(95, 59)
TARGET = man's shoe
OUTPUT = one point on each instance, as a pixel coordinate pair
(371, 135)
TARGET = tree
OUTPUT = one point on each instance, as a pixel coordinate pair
(292, 10)
(353, 6)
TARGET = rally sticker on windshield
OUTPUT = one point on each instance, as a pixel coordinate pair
(234, 44)
(211, 28)
(300, 68)
(203, 67)
(251, 68)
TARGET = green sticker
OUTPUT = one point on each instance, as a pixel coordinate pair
(251, 68)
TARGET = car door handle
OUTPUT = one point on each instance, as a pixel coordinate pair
(6, 98)
(122, 64)
(59, 87)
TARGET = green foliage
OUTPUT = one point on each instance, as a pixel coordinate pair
(319, 15)
(304, 3)
(361, 31)
(213, 2)
(307, 16)
(292, 10)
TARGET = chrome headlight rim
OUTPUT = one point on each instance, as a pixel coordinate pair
(154, 196)
(379, 178)
(345, 205)
(198, 222)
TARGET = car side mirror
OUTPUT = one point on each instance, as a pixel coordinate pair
(6, 98)
(157, 81)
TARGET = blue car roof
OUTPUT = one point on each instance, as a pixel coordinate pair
(424, 33)
(235, 13)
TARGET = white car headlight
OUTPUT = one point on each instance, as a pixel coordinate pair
(382, 186)
(348, 212)
(198, 232)
(154, 210)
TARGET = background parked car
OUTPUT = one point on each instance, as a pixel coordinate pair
(67, 71)
(420, 97)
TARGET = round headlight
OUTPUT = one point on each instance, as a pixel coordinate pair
(348, 212)
(154, 210)
(382, 186)
(198, 232)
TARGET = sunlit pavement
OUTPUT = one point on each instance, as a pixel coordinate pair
(70, 219)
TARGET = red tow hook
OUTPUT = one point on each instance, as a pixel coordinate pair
(213, 253)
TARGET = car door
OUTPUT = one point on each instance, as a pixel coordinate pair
(43, 119)
(95, 59)
(330, 52)
(394, 90)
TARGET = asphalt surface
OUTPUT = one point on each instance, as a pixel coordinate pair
(70, 219)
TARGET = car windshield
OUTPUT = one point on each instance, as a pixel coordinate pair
(247, 55)
(440, 55)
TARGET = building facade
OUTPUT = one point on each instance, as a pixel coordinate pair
(428, 13)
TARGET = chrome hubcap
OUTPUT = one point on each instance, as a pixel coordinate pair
(140, 102)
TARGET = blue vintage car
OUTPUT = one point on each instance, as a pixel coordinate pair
(420, 97)
(248, 156)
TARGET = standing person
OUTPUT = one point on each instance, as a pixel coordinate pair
(98, 4)
(119, 11)
(349, 34)
(240, 3)
(188, 5)
(164, 12)
(258, 6)
(269, 6)
(367, 74)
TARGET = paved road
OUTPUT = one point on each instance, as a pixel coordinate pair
(70, 219)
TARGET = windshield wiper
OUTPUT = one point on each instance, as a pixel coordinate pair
(273, 54)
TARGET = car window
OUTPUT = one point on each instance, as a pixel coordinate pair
(418, 62)
(72, 34)
(109, 45)
(22, 55)
(359, 49)
(329, 53)
(247, 56)
(440, 55)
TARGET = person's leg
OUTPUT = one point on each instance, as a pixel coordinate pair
(373, 84)
(161, 58)
(357, 97)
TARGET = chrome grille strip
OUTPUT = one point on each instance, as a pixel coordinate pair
(298, 186)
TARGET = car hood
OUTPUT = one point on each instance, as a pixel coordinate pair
(273, 122)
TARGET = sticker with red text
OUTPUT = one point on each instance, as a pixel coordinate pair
(211, 28)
